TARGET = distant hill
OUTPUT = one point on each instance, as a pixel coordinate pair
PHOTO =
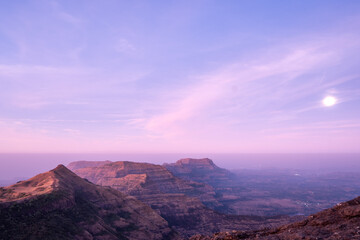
(60, 205)
(83, 164)
(225, 183)
(201, 170)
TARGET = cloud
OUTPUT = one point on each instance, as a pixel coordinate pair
(40, 86)
(72, 131)
(254, 84)
(70, 18)
(64, 15)
(124, 46)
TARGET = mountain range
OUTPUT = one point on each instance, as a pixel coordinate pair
(130, 200)
(188, 206)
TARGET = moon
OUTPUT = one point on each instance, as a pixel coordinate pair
(329, 101)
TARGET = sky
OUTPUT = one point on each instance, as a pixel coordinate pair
(179, 76)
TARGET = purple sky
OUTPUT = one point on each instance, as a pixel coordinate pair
(179, 76)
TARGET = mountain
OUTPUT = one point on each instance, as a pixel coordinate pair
(60, 205)
(178, 201)
(201, 170)
(339, 222)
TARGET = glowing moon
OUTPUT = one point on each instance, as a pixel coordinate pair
(329, 101)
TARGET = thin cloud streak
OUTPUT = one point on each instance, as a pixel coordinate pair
(215, 87)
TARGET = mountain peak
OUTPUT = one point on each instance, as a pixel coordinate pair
(60, 169)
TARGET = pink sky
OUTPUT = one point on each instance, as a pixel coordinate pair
(179, 77)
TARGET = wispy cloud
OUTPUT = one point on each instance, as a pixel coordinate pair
(254, 84)
(124, 46)
(39, 86)
(64, 15)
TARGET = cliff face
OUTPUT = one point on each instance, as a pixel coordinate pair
(339, 222)
(60, 205)
(178, 201)
(201, 170)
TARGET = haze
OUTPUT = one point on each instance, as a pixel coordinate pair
(15, 167)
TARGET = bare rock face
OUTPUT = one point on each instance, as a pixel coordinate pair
(60, 205)
(339, 222)
(178, 201)
(201, 170)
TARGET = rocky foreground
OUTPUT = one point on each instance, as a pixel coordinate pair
(60, 205)
(340, 222)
